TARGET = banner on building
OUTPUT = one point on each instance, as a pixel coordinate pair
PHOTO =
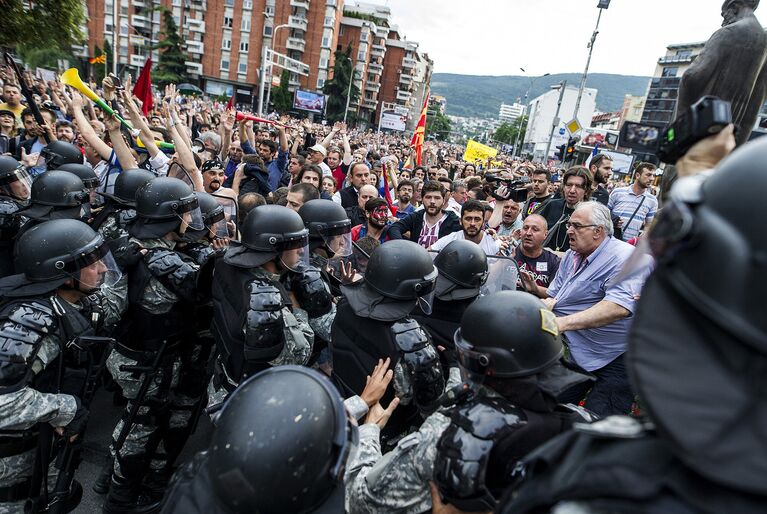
(478, 152)
(393, 121)
(622, 162)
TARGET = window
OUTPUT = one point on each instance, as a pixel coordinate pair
(268, 30)
(341, 31)
(247, 4)
(242, 68)
(323, 62)
(245, 25)
(176, 3)
(326, 42)
(684, 53)
(124, 10)
(244, 45)
(670, 72)
(269, 9)
(320, 83)
(365, 36)
(229, 3)
(228, 22)
(124, 29)
(329, 21)
(224, 64)
(108, 28)
(226, 44)
(108, 8)
(361, 55)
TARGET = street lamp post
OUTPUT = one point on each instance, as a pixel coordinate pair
(603, 4)
(555, 123)
(349, 91)
(527, 93)
(271, 64)
(265, 54)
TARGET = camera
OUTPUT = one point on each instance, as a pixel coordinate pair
(706, 117)
(517, 187)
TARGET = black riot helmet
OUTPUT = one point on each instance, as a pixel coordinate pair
(715, 381)
(85, 172)
(281, 445)
(329, 226)
(127, 184)
(58, 153)
(52, 252)
(56, 195)
(267, 232)
(213, 218)
(165, 205)
(462, 267)
(15, 181)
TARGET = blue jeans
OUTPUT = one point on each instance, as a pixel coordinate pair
(610, 394)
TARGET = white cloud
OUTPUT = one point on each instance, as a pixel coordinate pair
(497, 37)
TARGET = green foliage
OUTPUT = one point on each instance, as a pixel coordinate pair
(172, 67)
(437, 125)
(282, 98)
(481, 96)
(44, 57)
(507, 132)
(337, 88)
(42, 23)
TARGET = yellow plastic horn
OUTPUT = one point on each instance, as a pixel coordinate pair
(72, 78)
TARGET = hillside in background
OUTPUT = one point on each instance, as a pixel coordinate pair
(481, 96)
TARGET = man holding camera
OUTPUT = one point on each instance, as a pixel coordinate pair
(634, 204)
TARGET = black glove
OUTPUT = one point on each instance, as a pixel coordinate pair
(312, 292)
(127, 255)
(77, 425)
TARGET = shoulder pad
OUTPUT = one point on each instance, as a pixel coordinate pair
(8, 207)
(126, 216)
(619, 427)
(199, 252)
(264, 295)
(409, 335)
(174, 272)
(486, 417)
(264, 322)
(35, 316)
(164, 262)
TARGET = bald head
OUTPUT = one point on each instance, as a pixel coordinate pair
(366, 193)
(534, 232)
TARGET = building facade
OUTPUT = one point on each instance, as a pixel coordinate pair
(664, 86)
(510, 112)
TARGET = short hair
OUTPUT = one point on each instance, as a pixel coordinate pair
(267, 142)
(640, 166)
(367, 244)
(404, 183)
(542, 171)
(374, 203)
(600, 215)
(479, 193)
(11, 84)
(334, 149)
(64, 123)
(212, 137)
(597, 160)
(163, 132)
(448, 183)
(246, 202)
(419, 168)
(252, 158)
(472, 205)
(433, 186)
(311, 167)
(299, 158)
(355, 166)
(280, 196)
(456, 185)
(580, 171)
(473, 183)
(307, 191)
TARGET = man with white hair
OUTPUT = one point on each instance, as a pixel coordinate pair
(594, 302)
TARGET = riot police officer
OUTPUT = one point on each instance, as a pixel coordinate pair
(56, 195)
(89, 178)
(199, 244)
(462, 268)
(15, 184)
(163, 285)
(509, 407)
(698, 367)
(58, 153)
(119, 207)
(41, 335)
(309, 425)
(373, 322)
(257, 321)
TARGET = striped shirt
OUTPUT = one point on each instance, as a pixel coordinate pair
(623, 202)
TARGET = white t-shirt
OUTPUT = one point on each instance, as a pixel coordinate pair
(453, 205)
(488, 244)
(325, 169)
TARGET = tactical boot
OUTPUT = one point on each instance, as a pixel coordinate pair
(155, 483)
(123, 498)
(104, 480)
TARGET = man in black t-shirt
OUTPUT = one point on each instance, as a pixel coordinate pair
(577, 182)
(537, 266)
(541, 178)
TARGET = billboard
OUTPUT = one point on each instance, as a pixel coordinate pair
(621, 161)
(308, 101)
(393, 121)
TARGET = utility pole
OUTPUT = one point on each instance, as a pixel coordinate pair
(527, 93)
(349, 91)
(603, 4)
(555, 123)
(116, 27)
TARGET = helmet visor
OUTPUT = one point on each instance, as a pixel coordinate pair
(295, 258)
(502, 275)
(17, 184)
(472, 362)
(230, 214)
(94, 268)
(190, 215)
(340, 245)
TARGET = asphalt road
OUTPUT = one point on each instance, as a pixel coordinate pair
(104, 416)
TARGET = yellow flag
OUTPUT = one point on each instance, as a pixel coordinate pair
(477, 151)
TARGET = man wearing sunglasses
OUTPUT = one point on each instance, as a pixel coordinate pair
(594, 306)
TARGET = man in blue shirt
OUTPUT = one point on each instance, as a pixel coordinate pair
(634, 204)
(277, 167)
(594, 303)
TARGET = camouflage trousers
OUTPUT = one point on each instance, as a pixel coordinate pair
(17, 468)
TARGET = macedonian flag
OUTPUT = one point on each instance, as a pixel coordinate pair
(420, 132)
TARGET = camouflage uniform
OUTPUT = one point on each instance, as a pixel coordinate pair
(114, 226)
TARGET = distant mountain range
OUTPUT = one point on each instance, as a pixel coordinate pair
(481, 96)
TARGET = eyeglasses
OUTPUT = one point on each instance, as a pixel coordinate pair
(574, 186)
(577, 226)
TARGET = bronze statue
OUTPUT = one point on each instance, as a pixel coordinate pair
(732, 66)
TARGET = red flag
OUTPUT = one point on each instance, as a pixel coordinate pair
(143, 88)
(230, 103)
(387, 193)
(420, 131)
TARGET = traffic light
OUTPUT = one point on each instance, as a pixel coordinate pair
(570, 150)
(560, 153)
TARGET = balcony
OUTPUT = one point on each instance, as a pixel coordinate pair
(404, 95)
(196, 26)
(405, 79)
(139, 3)
(294, 43)
(677, 59)
(377, 52)
(294, 81)
(300, 3)
(195, 47)
(137, 60)
(373, 87)
(195, 68)
(140, 22)
(375, 68)
(408, 62)
(298, 23)
(370, 104)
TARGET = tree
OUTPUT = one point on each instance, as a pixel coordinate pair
(172, 66)
(337, 88)
(438, 125)
(507, 132)
(282, 98)
(42, 23)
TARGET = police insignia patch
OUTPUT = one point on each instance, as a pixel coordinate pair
(549, 322)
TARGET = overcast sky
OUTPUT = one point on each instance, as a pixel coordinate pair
(497, 37)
